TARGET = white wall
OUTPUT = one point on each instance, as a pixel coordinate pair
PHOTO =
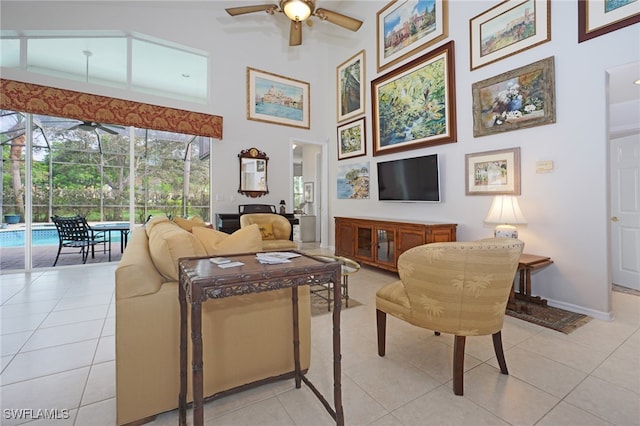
(566, 210)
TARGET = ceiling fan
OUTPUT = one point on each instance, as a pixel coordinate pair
(298, 11)
(90, 126)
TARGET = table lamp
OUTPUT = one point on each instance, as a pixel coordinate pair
(283, 207)
(506, 213)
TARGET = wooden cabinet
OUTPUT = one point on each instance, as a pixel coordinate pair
(379, 242)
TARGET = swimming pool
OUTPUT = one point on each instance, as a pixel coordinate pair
(42, 235)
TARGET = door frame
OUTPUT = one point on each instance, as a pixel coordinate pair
(322, 172)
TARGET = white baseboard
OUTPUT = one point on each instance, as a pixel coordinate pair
(604, 316)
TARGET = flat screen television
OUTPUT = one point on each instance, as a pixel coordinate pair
(410, 179)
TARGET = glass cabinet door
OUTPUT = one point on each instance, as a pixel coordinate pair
(386, 245)
(364, 244)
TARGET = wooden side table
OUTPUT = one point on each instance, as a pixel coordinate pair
(528, 263)
(200, 280)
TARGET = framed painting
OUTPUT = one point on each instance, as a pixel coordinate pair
(493, 172)
(351, 87)
(406, 27)
(516, 99)
(353, 181)
(351, 139)
(308, 192)
(599, 17)
(508, 28)
(272, 98)
(414, 105)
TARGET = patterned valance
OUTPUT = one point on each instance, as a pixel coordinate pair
(36, 99)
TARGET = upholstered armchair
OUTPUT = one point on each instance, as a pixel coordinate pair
(461, 288)
(274, 228)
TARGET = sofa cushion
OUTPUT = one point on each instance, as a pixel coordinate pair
(168, 243)
(215, 243)
(266, 231)
(189, 224)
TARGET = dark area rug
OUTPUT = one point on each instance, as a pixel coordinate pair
(319, 305)
(550, 317)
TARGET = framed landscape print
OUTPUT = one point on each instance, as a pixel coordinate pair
(353, 181)
(414, 105)
(493, 172)
(508, 28)
(599, 17)
(272, 98)
(351, 87)
(406, 27)
(308, 192)
(351, 139)
(520, 98)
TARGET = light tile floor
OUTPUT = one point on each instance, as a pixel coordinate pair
(57, 352)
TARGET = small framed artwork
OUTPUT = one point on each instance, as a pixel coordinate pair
(493, 172)
(508, 28)
(351, 139)
(599, 17)
(272, 98)
(353, 181)
(414, 105)
(308, 192)
(516, 99)
(406, 27)
(351, 87)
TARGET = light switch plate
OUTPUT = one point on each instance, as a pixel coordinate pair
(544, 166)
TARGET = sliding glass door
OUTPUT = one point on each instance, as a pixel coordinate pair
(67, 167)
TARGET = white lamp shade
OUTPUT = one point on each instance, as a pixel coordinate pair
(296, 10)
(505, 211)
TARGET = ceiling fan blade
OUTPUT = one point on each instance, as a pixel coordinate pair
(233, 11)
(77, 126)
(295, 34)
(106, 129)
(338, 19)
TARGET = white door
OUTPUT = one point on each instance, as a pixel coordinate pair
(625, 211)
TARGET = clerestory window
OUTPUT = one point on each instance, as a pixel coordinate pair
(114, 59)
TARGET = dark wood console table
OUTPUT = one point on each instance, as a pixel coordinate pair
(528, 263)
(200, 280)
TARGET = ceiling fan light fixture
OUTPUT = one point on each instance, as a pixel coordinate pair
(296, 10)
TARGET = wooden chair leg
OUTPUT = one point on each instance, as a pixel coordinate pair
(381, 321)
(458, 365)
(497, 347)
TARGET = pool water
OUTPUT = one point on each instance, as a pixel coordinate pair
(41, 236)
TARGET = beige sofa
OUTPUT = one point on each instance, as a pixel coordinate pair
(247, 339)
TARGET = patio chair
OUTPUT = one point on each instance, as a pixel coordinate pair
(75, 233)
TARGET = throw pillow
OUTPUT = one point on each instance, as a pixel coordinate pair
(189, 224)
(266, 230)
(216, 243)
(168, 243)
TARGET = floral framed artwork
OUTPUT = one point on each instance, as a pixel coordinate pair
(308, 192)
(351, 139)
(516, 99)
(406, 27)
(599, 17)
(414, 105)
(272, 98)
(351, 87)
(508, 28)
(353, 181)
(493, 172)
